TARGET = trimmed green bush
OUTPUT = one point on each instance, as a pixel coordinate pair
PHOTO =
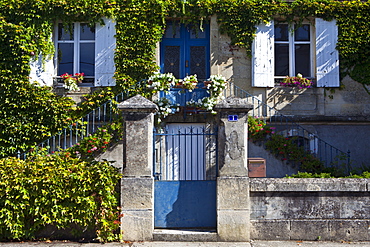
(57, 190)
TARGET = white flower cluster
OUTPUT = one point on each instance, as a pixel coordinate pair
(161, 82)
(206, 103)
(190, 82)
(165, 108)
(194, 103)
(217, 84)
(71, 84)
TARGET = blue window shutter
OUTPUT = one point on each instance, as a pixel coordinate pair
(327, 57)
(263, 56)
(42, 72)
(105, 44)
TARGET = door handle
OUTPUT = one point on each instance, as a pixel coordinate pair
(186, 63)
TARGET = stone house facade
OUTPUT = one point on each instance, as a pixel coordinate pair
(337, 114)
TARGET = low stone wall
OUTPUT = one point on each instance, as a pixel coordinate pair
(310, 209)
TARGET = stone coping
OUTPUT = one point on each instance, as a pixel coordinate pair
(137, 104)
(309, 184)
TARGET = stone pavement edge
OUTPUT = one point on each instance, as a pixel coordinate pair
(190, 244)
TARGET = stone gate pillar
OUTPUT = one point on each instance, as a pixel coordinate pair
(137, 184)
(233, 205)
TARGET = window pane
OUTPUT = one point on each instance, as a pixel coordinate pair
(198, 61)
(87, 59)
(281, 59)
(172, 31)
(302, 33)
(86, 32)
(302, 60)
(64, 33)
(281, 32)
(196, 33)
(172, 60)
(65, 58)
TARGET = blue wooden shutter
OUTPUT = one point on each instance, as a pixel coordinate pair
(105, 44)
(327, 57)
(263, 56)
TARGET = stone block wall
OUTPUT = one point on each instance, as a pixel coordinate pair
(310, 209)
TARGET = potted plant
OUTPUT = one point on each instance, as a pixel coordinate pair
(296, 81)
(161, 82)
(189, 82)
(71, 82)
(215, 84)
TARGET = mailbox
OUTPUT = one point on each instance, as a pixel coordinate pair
(256, 167)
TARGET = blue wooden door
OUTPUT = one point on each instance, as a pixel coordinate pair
(185, 188)
(185, 51)
(185, 204)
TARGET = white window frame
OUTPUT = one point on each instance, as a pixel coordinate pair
(44, 72)
(291, 42)
(76, 47)
(325, 59)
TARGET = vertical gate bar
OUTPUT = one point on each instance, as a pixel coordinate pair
(154, 154)
(185, 155)
(93, 121)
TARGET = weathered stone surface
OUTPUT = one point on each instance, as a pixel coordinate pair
(309, 230)
(137, 225)
(185, 235)
(137, 184)
(270, 230)
(137, 104)
(349, 230)
(113, 154)
(138, 135)
(233, 225)
(233, 104)
(309, 205)
(233, 137)
(231, 193)
(308, 184)
(137, 193)
(138, 147)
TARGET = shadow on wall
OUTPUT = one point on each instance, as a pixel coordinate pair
(275, 167)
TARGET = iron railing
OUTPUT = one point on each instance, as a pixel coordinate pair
(185, 152)
(329, 155)
(77, 131)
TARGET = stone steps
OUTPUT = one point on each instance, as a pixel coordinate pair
(185, 235)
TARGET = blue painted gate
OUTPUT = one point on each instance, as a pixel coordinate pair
(185, 170)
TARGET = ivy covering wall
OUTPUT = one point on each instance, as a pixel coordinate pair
(27, 25)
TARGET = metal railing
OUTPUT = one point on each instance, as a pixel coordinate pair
(329, 155)
(185, 152)
(77, 131)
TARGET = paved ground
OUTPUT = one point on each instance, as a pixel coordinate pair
(191, 244)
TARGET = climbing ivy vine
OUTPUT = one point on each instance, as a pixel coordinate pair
(26, 28)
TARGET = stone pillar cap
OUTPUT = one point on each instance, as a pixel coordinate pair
(234, 104)
(137, 103)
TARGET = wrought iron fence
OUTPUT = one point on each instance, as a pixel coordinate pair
(329, 155)
(77, 131)
(185, 152)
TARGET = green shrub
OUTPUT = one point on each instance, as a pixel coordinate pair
(29, 114)
(59, 190)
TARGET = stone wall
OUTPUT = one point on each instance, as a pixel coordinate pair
(310, 209)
